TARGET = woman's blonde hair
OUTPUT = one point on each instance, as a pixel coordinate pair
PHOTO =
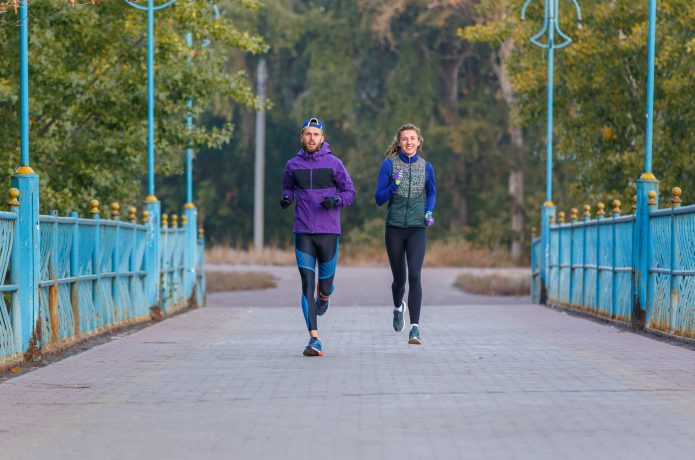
(394, 147)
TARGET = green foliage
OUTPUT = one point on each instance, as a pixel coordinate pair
(88, 103)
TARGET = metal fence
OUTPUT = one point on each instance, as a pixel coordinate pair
(593, 266)
(92, 274)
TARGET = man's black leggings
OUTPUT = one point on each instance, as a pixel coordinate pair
(311, 248)
(407, 245)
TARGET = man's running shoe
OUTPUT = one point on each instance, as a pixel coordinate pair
(414, 337)
(399, 317)
(313, 348)
(322, 301)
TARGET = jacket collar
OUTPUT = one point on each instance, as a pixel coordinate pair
(324, 150)
(405, 158)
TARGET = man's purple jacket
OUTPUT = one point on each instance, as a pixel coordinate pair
(309, 178)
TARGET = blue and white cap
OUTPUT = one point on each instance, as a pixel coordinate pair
(313, 123)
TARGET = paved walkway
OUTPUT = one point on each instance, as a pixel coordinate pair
(497, 380)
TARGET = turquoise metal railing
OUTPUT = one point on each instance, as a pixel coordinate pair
(8, 290)
(594, 266)
(92, 274)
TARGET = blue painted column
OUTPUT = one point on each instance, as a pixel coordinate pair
(27, 255)
(676, 265)
(645, 249)
(190, 254)
(96, 265)
(115, 264)
(547, 211)
(614, 259)
(152, 252)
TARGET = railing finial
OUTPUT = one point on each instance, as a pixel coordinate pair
(184, 220)
(94, 207)
(115, 209)
(174, 220)
(145, 216)
(201, 232)
(561, 217)
(13, 194)
(600, 209)
(574, 214)
(165, 220)
(634, 203)
(616, 207)
(132, 214)
(587, 210)
(676, 199)
(652, 198)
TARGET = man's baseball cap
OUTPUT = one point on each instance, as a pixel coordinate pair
(313, 123)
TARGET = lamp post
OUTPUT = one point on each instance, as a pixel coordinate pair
(152, 204)
(191, 228)
(647, 183)
(551, 27)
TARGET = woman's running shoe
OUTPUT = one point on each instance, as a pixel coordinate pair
(313, 348)
(399, 317)
(414, 336)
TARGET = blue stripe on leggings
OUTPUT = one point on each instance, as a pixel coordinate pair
(305, 310)
(327, 269)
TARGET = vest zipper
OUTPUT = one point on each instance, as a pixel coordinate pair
(407, 203)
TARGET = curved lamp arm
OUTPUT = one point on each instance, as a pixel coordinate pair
(156, 8)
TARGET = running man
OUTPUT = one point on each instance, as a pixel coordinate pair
(406, 182)
(319, 185)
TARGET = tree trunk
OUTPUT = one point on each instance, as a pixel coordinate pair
(516, 175)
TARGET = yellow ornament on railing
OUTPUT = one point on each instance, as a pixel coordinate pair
(676, 196)
(165, 220)
(115, 209)
(587, 210)
(174, 220)
(201, 232)
(132, 214)
(561, 217)
(652, 198)
(94, 207)
(145, 216)
(534, 232)
(616, 207)
(574, 214)
(600, 209)
(184, 220)
(13, 194)
(634, 203)
(551, 217)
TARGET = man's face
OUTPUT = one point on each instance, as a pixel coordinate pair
(312, 138)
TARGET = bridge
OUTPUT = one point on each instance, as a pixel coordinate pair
(494, 378)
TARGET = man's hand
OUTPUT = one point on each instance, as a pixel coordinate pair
(330, 202)
(429, 220)
(397, 177)
(286, 201)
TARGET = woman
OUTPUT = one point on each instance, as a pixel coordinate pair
(406, 182)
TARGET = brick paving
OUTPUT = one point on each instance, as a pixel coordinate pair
(505, 380)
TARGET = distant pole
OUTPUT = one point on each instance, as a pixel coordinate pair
(650, 87)
(259, 182)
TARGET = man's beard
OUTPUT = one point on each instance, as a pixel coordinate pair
(307, 149)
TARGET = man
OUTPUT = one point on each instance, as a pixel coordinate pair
(319, 185)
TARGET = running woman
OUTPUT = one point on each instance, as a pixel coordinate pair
(406, 182)
(319, 185)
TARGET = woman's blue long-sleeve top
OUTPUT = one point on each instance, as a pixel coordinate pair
(386, 187)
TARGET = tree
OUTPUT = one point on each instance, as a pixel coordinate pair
(88, 94)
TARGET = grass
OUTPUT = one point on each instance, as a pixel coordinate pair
(493, 284)
(455, 252)
(238, 281)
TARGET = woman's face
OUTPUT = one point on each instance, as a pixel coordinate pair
(409, 141)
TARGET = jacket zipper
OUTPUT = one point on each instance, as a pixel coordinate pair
(407, 203)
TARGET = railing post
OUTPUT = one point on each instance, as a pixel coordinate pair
(647, 199)
(574, 215)
(599, 217)
(547, 211)
(74, 273)
(560, 223)
(675, 260)
(614, 256)
(164, 258)
(190, 252)
(116, 262)
(96, 269)
(15, 273)
(587, 218)
(152, 251)
(28, 332)
(53, 262)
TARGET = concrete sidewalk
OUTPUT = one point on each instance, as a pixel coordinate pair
(495, 381)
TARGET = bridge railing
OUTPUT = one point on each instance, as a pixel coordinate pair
(92, 275)
(592, 266)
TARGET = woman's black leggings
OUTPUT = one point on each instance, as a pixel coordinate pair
(407, 246)
(314, 249)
